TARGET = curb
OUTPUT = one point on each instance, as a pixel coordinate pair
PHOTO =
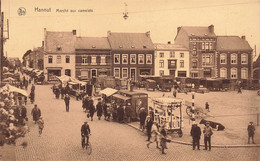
(215, 146)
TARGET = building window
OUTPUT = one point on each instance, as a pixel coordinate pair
(58, 59)
(84, 60)
(161, 64)
(206, 45)
(181, 55)
(194, 52)
(223, 73)
(125, 73)
(203, 46)
(132, 59)
(233, 58)
(117, 59)
(117, 72)
(233, 73)
(161, 55)
(67, 59)
(93, 59)
(171, 64)
(210, 46)
(161, 72)
(244, 59)
(223, 58)
(172, 54)
(140, 58)
(182, 63)
(244, 73)
(68, 72)
(194, 64)
(84, 73)
(207, 59)
(58, 48)
(103, 59)
(149, 59)
(49, 59)
(124, 58)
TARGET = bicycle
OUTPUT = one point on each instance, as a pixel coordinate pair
(86, 146)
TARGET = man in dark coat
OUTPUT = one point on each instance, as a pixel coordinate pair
(33, 88)
(32, 95)
(105, 110)
(36, 113)
(195, 133)
(67, 102)
(120, 113)
(251, 132)
(148, 124)
(57, 93)
(99, 109)
(128, 112)
(142, 116)
(91, 109)
(84, 103)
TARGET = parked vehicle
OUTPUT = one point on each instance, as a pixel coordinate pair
(135, 99)
(150, 84)
(165, 83)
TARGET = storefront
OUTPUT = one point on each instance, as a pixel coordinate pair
(53, 73)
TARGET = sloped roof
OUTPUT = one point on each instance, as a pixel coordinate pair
(92, 43)
(133, 41)
(232, 43)
(64, 40)
(159, 46)
(197, 31)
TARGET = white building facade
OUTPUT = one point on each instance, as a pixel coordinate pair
(171, 59)
(59, 54)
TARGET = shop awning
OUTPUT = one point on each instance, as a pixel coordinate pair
(121, 97)
(108, 91)
(14, 89)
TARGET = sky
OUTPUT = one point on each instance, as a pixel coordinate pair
(160, 17)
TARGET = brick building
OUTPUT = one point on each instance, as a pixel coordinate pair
(201, 42)
(93, 57)
(132, 54)
(234, 58)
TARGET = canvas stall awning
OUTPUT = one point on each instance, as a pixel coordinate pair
(121, 97)
(14, 89)
(108, 91)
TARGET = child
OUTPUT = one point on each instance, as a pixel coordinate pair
(40, 125)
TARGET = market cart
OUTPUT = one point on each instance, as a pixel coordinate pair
(168, 113)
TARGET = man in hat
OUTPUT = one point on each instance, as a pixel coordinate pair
(251, 132)
(36, 113)
(195, 133)
(207, 136)
(142, 116)
(85, 132)
(99, 109)
(67, 102)
(148, 125)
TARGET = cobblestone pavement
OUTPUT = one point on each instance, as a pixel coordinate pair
(110, 140)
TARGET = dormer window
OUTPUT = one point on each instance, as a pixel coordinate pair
(93, 46)
(144, 46)
(120, 46)
(132, 46)
(192, 34)
(58, 48)
(206, 34)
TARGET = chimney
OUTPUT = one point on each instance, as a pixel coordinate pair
(108, 33)
(74, 32)
(169, 42)
(178, 29)
(42, 43)
(211, 28)
(243, 37)
(148, 33)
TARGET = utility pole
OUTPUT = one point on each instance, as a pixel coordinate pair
(1, 43)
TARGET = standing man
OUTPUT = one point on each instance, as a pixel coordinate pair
(99, 109)
(36, 113)
(148, 124)
(128, 112)
(142, 117)
(91, 109)
(33, 88)
(207, 136)
(251, 132)
(195, 133)
(105, 110)
(67, 102)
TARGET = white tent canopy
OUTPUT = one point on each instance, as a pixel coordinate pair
(108, 91)
(14, 89)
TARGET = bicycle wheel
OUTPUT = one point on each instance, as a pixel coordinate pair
(89, 148)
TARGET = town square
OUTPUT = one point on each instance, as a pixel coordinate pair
(108, 89)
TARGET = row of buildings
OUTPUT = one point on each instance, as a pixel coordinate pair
(196, 52)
